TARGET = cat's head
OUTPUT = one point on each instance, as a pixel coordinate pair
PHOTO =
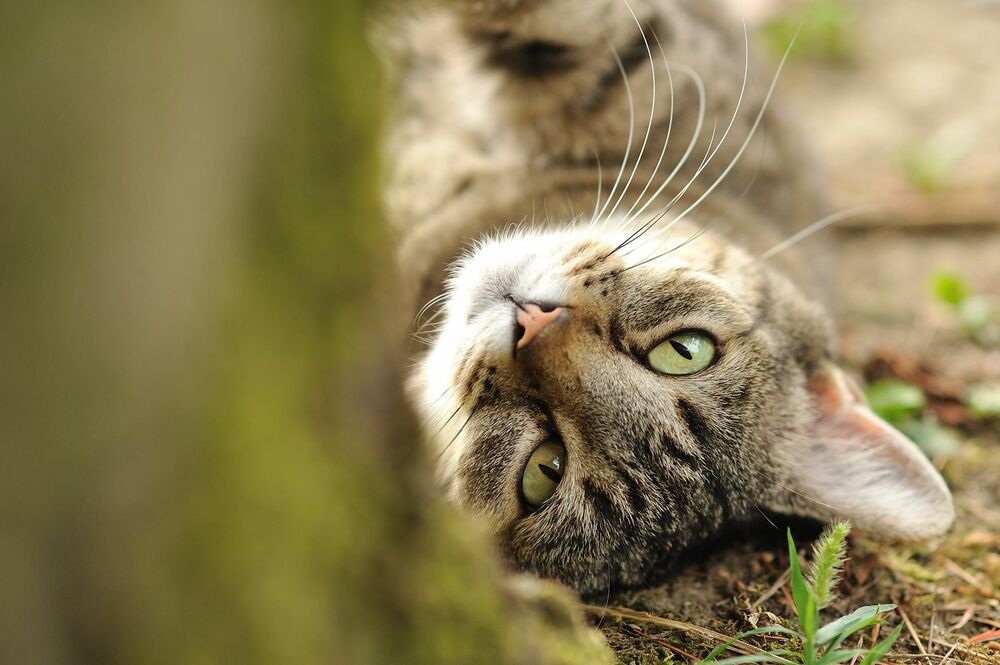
(600, 406)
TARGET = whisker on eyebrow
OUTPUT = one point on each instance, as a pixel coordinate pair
(753, 127)
(750, 134)
(816, 227)
(652, 111)
(694, 236)
(669, 206)
(695, 135)
(710, 152)
(631, 130)
(670, 126)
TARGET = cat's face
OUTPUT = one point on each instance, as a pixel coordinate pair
(661, 399)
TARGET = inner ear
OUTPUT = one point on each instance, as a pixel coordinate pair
(858, 467)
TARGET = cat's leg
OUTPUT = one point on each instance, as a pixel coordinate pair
(578, 76)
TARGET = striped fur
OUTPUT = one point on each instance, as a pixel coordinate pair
(506, 110)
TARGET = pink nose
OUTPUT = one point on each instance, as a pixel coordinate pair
(534, 319)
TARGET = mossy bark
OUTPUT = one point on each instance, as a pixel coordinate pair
(205, 454)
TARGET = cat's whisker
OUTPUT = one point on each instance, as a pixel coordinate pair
(607, 599)
(670, 125)
(430, 303)
(765, 139)
(434, 411)
(700, 86)
(750, 134)
(710, 152)
(789, 489)
(816, 227)
(652, 111)
(764, 515)
(445, 424)
(600, 181)
(696, 134)
(694, 236)
(636, 233)
(433, 414)
(431, 328)
(631, 129)
(461, 429)
(441, 396)
(732, 121)
(645, 228)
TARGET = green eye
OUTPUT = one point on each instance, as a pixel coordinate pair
(683, 353)
(542, 473)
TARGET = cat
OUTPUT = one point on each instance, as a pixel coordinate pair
(594, 194)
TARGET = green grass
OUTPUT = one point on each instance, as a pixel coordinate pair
(812, 643)
(826, 31)
(976, 313)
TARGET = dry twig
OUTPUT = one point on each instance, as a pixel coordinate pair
(739, 646)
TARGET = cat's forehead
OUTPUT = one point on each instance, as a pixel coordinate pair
(645, 252)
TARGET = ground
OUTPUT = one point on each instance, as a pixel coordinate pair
(903, 114)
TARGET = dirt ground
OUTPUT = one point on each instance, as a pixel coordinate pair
(909, 119)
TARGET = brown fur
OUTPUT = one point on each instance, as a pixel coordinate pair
(503, 107)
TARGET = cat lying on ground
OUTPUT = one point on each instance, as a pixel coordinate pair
(597, 196)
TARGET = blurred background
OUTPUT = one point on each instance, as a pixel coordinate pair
(204, 457)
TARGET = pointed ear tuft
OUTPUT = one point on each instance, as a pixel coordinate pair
(862, 469)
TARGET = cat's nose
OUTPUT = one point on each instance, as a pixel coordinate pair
(533, 319)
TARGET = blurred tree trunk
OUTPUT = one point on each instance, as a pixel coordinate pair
(205, 455)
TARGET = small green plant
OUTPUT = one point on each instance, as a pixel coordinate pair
(977, 314)
(901, 404)
(930, 162)
(826, 31)
(895, 400)
(813, 644)
(984, 399)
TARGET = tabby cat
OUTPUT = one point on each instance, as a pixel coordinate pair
(593, 194)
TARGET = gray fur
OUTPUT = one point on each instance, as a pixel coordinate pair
(502, 106)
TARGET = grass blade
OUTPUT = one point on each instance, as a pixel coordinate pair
(851, 623)
(882, 647)
(764, 630)
(834, 656)
(800, 590)
(758, 658)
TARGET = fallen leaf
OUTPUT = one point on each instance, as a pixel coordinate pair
(986, 637)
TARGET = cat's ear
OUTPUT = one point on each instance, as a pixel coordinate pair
(863, 469)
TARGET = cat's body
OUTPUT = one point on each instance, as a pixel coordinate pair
(517, 111)
(520, 111)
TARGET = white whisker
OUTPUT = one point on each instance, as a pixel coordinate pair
(700, 85)
(710, 153)
(631, 129)
(750, 134)
(816, 227)
(652, 111)
(670, 126)
(600, 180)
